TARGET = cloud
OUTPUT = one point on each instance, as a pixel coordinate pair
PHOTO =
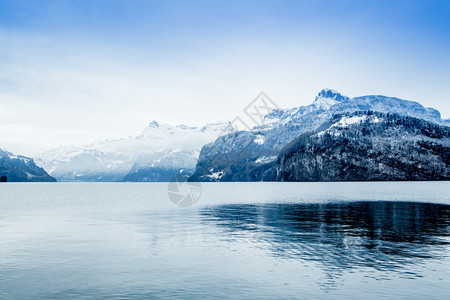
(74, 74)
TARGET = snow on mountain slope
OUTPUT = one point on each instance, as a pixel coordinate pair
(159, 145)
(18, 168)
(281, 126)
(366, 146)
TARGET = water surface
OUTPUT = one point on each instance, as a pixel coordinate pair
(241, 240)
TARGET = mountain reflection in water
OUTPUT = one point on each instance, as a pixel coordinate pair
(373, 236)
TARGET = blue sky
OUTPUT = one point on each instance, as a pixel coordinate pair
(76, 71)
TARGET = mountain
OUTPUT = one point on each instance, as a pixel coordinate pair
(228, 158)
(161, 151)
(367, 146)
(19, 168)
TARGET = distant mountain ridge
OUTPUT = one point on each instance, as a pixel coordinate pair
(159, 152)
(18, 168)
(228, 157)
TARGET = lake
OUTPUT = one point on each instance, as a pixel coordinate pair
(238, 241)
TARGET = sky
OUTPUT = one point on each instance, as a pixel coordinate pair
(72, 72)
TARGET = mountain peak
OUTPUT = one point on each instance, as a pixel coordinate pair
(331, 94)
(153, 124)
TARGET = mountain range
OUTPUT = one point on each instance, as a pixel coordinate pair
(160, 152)
(334, 138)
(236, 156)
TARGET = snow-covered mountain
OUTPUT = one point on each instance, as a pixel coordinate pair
(367, 146)
(159, 148)
(221, 160)
(18, 168)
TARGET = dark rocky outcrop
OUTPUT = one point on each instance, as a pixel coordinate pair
(21, 169)
(367, 146)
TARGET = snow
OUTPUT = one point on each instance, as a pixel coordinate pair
(324, 103)
(159, 145)
(265, 159)
(9, 155)
(259, 139)
(345, 121)
(216, 175)
(352, 120)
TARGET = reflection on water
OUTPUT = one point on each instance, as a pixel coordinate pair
(241, 241)
(342, 237)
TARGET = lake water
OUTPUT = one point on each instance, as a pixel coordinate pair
(240, 240)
